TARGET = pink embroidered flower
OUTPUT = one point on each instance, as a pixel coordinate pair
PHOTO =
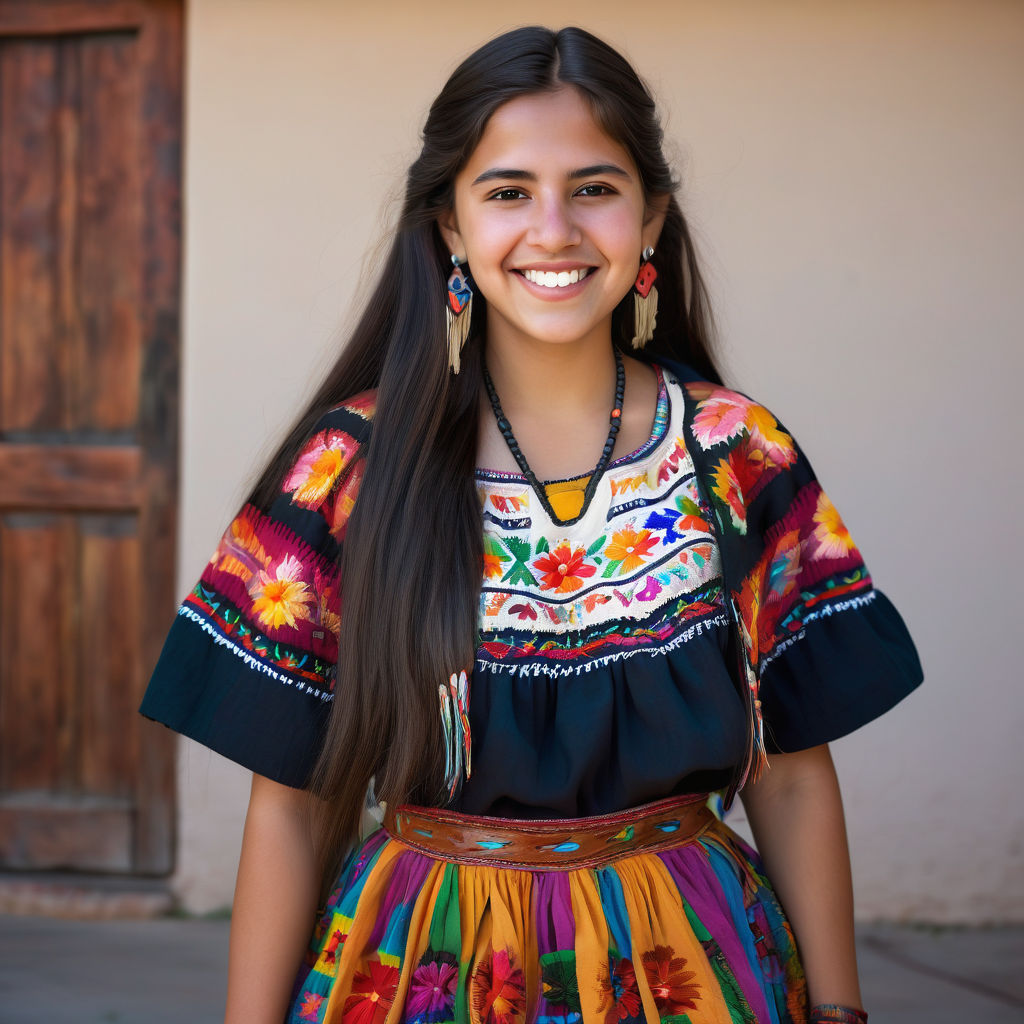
(720, 418)
(311, 1003)
(432, 992)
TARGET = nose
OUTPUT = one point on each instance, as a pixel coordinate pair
(553, 227)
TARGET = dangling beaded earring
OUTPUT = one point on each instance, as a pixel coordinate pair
(645, 301)
(459, 311)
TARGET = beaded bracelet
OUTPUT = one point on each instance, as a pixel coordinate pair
(833, 1013)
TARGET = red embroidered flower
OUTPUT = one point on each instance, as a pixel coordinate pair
(622, 988)
(498, 991)
(331, 949)
(372, 995)
(670, 982)
(563, 568)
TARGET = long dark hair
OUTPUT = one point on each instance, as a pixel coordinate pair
(412, 562)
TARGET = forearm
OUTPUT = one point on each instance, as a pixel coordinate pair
(274, 905)
(796, 813)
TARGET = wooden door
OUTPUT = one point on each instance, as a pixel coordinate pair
(90, 154)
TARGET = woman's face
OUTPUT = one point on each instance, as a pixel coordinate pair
(551, 218)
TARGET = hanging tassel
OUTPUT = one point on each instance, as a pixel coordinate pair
(454, 700)
(755, 756)
(460, 699)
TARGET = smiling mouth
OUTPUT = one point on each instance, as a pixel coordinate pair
(555, 279)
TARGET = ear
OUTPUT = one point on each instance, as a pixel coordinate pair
(654, 219)
(448, 225)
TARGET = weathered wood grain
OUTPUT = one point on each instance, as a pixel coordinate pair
(90, 180)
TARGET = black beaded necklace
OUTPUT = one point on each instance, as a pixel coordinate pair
(606, 452)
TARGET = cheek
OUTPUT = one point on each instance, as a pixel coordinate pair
(488, 249)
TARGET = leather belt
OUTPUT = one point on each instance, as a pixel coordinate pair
(550, 844)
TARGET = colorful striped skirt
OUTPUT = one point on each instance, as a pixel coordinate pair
(656, 914)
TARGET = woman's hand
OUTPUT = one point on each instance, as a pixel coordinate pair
(275, 903)
(796, 813)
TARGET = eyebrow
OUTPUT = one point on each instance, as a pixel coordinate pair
(495, 173)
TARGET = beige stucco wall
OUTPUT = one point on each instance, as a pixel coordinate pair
(853, 170)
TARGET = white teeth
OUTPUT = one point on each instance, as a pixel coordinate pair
(555, 279)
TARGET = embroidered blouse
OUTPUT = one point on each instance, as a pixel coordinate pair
(606, 670)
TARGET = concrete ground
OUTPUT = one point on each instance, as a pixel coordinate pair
(171, 971)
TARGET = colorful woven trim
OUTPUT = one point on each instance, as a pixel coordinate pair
(834, 1013)
(551, 844)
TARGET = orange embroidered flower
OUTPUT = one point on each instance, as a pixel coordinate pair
(630, 547)
(563, 568)
(282, 598)
(318, 467)
(832, 536)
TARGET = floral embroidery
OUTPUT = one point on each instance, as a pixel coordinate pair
(559, 983)
(720, 418)
(344, 501)
(269, 596)
(498, 989)
(372, 995)
(832, 537)
(310, 1009)
(808, 556)
(510, 502)
(648, 582)
(318, 467)
(564, 568)
(669, 981)
(240, 552)
(628, 550)
(628, 484)
(282, 597)
(330, 951)
(432, 991)
(759, 449)
(620, 991)
(523, 649)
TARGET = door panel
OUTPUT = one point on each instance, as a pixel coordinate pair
(90, 129)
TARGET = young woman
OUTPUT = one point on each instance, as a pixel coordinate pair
(583, 587)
